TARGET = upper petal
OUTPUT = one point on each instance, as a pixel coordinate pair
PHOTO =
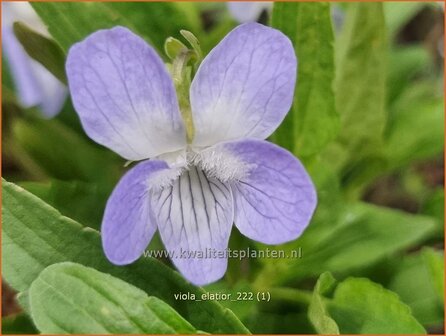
(128, 226)
(194, 218)
(124, 95)
(244, 87)
(276, 200)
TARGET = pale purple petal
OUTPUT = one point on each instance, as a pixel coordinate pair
(248, 11)
(124, 95)
(35, 85)
(28, 90)
(276, 201)
(128, 226)
(244, 87)
(194, 219)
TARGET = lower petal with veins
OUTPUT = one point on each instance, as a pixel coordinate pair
(194, 217)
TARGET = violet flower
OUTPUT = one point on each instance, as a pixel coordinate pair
(35, 85)
(248, 11)
(193, 191)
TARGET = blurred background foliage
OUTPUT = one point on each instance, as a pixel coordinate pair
(367, 121)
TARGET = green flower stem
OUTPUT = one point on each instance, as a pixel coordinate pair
(182, 78)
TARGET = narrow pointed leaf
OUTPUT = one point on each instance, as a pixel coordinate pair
(313, 120)
(42, 49)
(361, 77)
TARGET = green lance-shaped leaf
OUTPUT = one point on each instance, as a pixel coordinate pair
(35, 235)
(312, 121)
(69, 298)
(360, 306)
(42, 49)
(361, 58)
(317, 311)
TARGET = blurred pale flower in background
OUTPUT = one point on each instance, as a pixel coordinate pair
(248, 11)
(35, 85)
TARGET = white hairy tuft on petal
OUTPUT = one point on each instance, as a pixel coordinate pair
(164, 178)
(215, 162)
(222, 165)
(177, 162)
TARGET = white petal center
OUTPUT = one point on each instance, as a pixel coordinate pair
(215, 162)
